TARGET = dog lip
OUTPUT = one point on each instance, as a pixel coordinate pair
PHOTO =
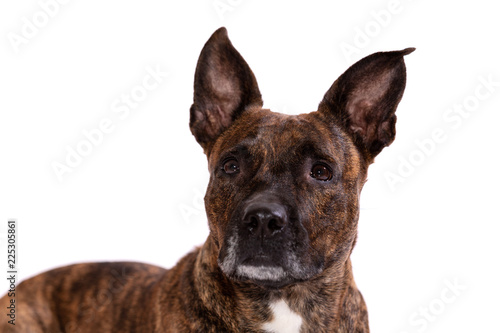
(259, 260)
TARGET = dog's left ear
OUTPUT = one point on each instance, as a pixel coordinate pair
(364, 100)
(224, 87)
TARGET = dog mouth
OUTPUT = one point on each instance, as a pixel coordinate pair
(261, 270)
(265, 270)
(261, 273)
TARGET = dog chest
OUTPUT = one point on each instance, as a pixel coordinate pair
(284, 320)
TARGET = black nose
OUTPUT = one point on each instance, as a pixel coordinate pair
(265, 218)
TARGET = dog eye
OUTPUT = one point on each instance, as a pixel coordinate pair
(231, 166)
(321, 172)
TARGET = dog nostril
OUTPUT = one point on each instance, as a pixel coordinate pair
(254, 223)
(274, 225)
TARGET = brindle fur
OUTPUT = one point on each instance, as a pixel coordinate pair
(353, 123)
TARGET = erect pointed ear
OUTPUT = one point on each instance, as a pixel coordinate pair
(224, 87)
(365, 97)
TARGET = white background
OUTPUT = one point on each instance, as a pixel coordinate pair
(137, 195)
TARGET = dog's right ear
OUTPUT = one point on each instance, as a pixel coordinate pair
(224, 87)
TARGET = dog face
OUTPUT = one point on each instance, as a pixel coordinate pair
(283, 197)
(283, 191)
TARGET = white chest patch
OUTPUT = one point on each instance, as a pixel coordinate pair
(284, 319)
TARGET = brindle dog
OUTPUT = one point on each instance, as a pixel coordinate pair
(282, 206)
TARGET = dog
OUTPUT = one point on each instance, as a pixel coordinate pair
(282, 206)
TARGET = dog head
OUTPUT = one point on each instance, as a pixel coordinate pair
(283, 197)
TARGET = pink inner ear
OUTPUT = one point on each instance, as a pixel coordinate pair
(212, 121)
(359, 112)
(364, 119)
(365, 107)
(226, 92)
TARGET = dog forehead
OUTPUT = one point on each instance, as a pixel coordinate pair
(285, 136)
(281, 130)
